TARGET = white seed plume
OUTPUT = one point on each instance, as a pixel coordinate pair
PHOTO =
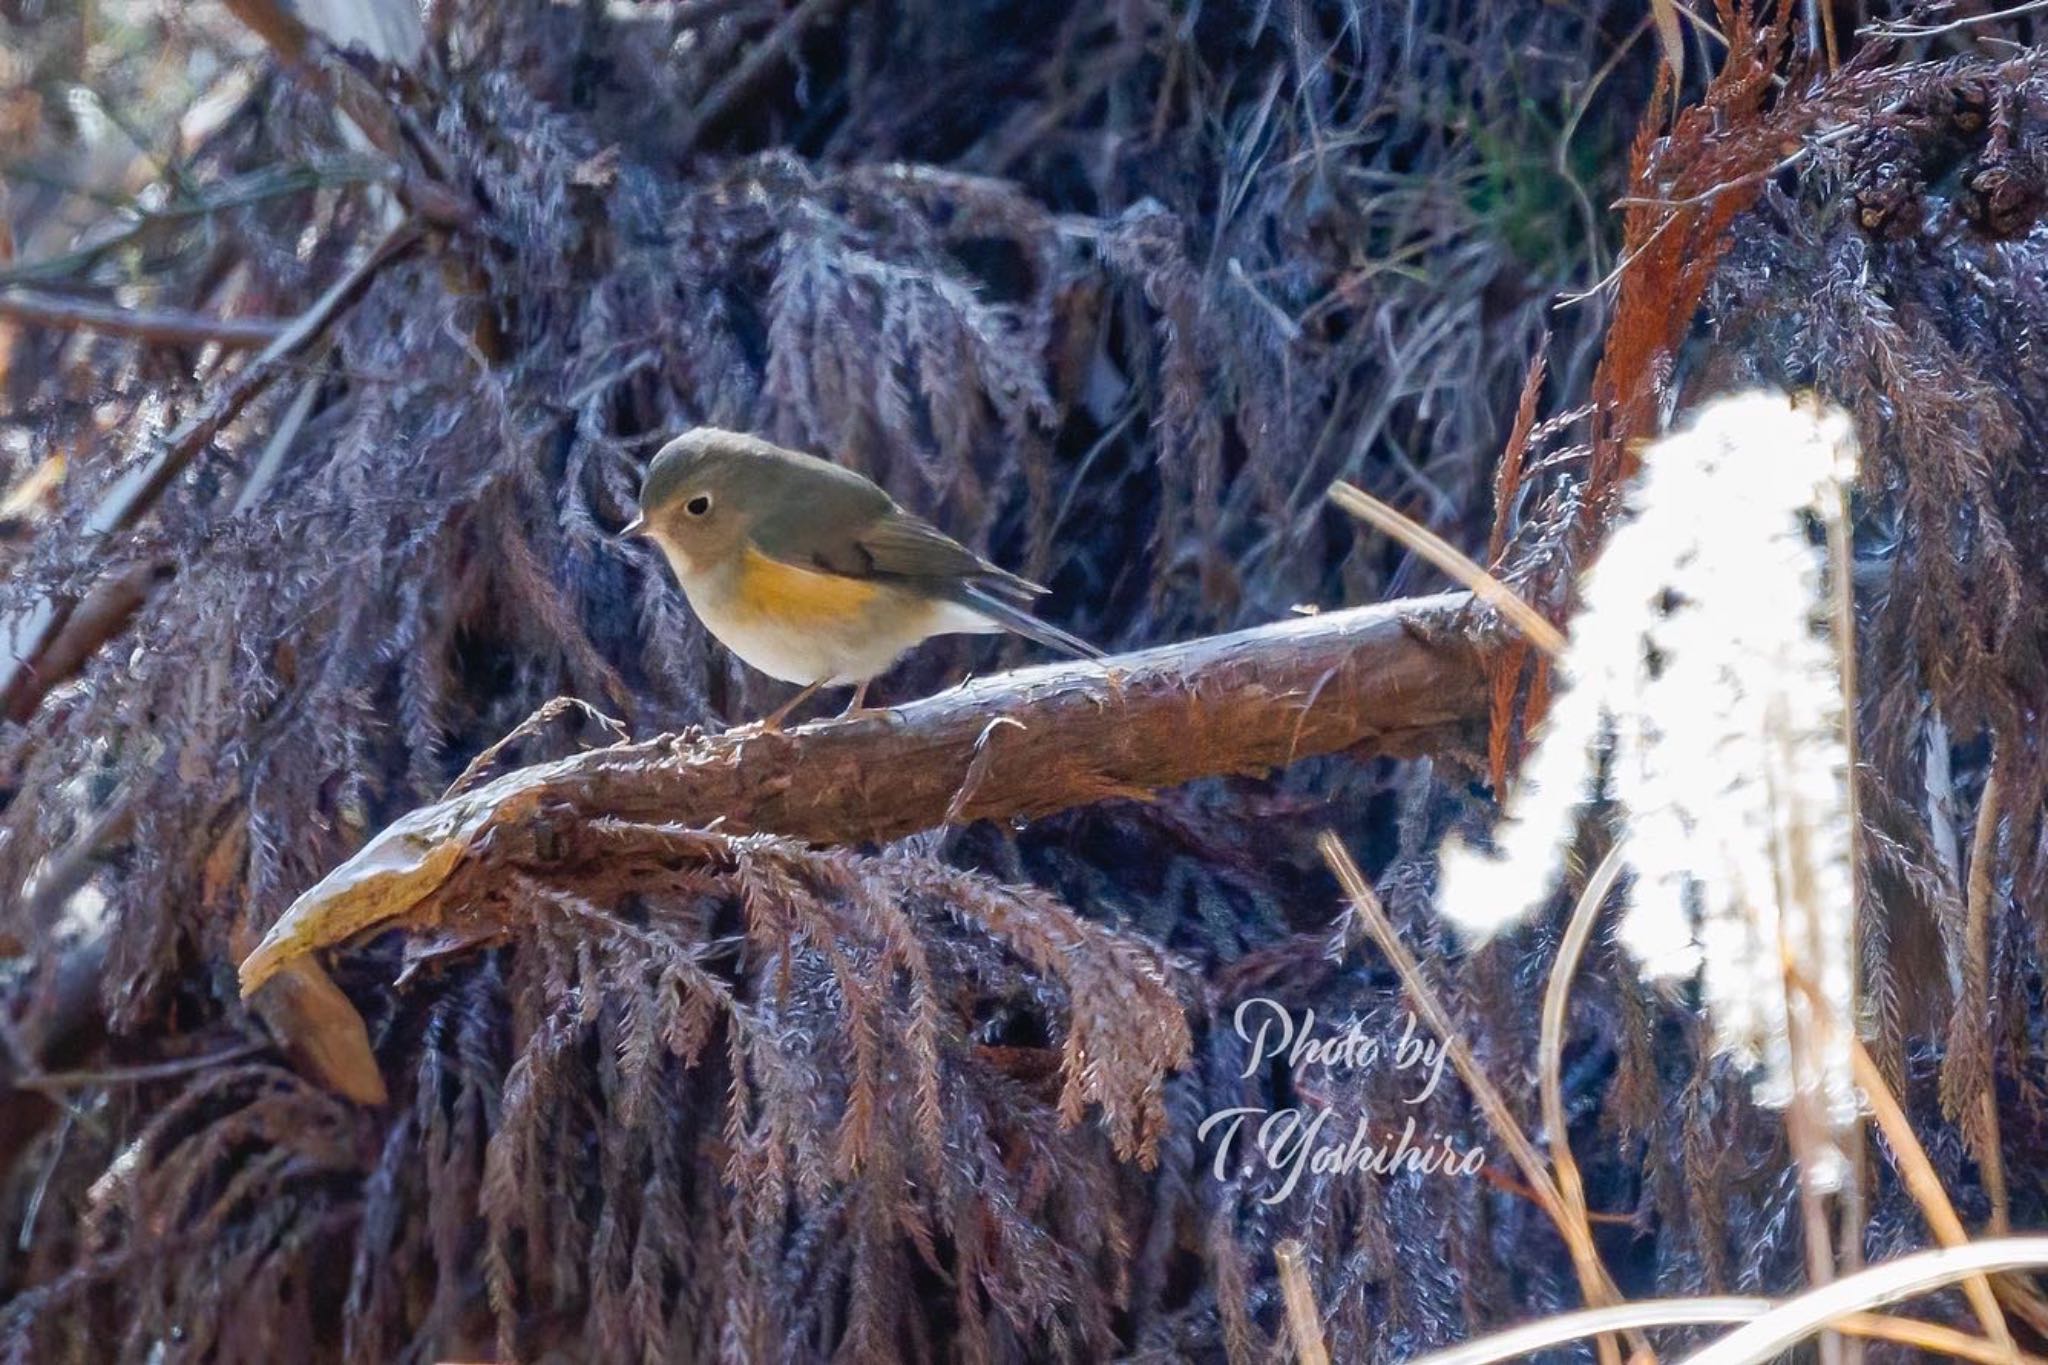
(1702, 662)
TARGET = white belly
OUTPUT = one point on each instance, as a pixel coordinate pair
(851, 651)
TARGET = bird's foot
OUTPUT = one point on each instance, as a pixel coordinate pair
(771, 724)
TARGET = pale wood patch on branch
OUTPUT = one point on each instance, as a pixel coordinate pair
(1398, 678)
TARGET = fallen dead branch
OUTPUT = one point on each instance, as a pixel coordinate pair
(1396, 678)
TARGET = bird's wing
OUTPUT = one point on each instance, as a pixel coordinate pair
(854, 537)
(900, 545)
(904, 547)
(911, 551)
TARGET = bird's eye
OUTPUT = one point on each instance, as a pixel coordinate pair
(698, 505)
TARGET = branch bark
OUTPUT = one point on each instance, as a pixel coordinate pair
(1398, 678)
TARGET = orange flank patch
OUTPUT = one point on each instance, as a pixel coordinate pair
(799, 597)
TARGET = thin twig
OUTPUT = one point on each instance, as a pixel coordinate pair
(1594, 1281)
(131, 498)
(279, 445)
(80, 631)
(1550, 1045)
(1452, 561)
(1706, 196)
(51, 1160)
(1902, 28)
(171, 326)
(546, 712)
(420, 165)
(68, 868)
(51, 1081)
(240, 192)
(1621, 267)
(28, 634)
(755, 64)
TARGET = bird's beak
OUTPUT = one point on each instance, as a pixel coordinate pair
(631, 529)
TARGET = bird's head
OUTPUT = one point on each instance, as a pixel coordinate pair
(694, 498)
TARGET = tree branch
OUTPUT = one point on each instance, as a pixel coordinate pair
(77, 633)
(1397, 678)
(168, 325)
(425, 189)
(760, 57)
(27, 637)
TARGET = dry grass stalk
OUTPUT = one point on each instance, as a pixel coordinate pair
(1979, 1111)
(1924, 1184)
(1304, 1322)
(1852, 1209)
(1594, 1281)
(1452, 561)
(1563, 1328)
(1833, 1305)
(1550, 1048)
(1926, 1336)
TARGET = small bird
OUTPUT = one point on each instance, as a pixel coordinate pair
(810, 572)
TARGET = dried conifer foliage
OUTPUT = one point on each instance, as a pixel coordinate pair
(1918, 247)
(1890, 257)
(1112, 292)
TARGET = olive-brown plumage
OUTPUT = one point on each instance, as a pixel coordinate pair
(812, 573)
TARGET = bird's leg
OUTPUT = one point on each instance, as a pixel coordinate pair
(781, 713)
(860, 697)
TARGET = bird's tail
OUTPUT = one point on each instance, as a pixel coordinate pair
(1013, 617)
